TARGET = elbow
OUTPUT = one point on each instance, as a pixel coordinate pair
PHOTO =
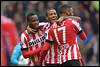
(25, 54)
(83, 36)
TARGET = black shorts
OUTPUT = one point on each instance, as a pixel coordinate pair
(53, 64)
(71, 63)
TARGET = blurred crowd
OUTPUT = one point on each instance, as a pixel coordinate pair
(87, 10)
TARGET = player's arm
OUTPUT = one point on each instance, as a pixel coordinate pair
(79, 30)
(30, 30)
(27, 53)
(46, 46)
(76, 18)
(82, 35)
(70, 17)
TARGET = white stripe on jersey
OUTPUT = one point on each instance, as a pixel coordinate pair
(37, 37)
(75, 51)
(77, 25)
(69, 53)
(64, 56)
(42, 23)
(52, 50)
(22, 39)
(55, 33)
(48, 56)
(58, 59)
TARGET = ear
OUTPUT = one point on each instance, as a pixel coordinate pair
(67, 13)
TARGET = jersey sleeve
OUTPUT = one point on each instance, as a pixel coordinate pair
(76, 26)
(23, 42)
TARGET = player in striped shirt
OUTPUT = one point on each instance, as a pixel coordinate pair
(31, 43)
(63, 35)
(52, 17)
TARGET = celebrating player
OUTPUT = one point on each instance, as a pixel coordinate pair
(63, 35)
(31, 43)
(53, 53)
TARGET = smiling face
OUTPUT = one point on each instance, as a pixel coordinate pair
(33, 22)
(52, 15)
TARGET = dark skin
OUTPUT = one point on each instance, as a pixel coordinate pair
(67, 14)
(33, 23)
(51, 17)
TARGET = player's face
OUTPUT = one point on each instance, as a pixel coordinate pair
(52, 15)
(34, 22)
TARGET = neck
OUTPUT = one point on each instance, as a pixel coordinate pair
(34, 29)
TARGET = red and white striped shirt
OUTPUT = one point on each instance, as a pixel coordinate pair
(64, 37)
(32, 42)
(53, 56)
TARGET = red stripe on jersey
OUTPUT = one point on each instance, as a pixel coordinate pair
(27, 36)
(36, 46)
(67, 54)
(75, 27)
(39, 33)
(56, 54)
(30, 48)
(72, 52)
(78, 52)
(62, 53)
(25, 41)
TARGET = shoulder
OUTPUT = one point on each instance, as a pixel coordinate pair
(71, 21)
(45, 26)
(24, 35)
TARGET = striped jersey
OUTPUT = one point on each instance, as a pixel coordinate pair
(50, 58)
(65, 45)
(32, 42)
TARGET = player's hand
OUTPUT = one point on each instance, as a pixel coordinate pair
(61, 19)
(30, 30)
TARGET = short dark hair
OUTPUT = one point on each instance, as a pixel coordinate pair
(63, 8)
(30, 14)
(48, 10)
